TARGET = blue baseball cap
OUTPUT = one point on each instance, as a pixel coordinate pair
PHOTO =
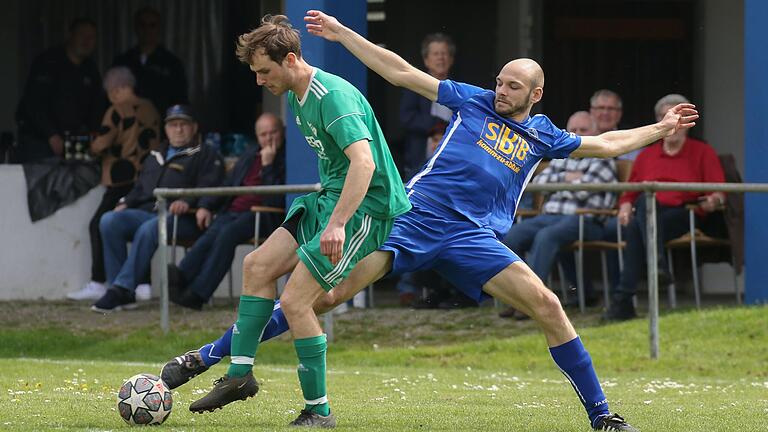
(181, 112)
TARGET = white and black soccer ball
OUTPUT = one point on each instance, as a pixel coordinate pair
(144, 400)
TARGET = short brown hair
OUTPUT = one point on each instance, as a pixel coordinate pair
(276, 36)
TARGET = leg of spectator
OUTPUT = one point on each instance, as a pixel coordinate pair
(117, 229)
(144, 246)
(561, 231)
(521, 235)
(194, 260)
(220, 254)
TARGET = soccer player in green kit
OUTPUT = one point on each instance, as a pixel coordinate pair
(325, 233)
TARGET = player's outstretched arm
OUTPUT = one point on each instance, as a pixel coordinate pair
(616, 143)
(384, 62)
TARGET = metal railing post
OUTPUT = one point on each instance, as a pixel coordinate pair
(653, 271)
(162, 228)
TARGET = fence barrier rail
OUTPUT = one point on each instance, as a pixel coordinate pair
(650, 188)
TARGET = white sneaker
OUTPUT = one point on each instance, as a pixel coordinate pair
(91, 291)
(143, 292)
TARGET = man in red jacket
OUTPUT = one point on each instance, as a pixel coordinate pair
(677, 158)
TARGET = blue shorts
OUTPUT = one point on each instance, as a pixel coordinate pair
(431, 237)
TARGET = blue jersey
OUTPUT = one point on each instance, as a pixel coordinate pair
(484, 161)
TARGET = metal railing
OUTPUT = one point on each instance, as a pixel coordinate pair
(650, 189)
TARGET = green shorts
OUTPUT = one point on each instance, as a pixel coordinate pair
(363, 235)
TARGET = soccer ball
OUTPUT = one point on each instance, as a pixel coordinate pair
(144, 400)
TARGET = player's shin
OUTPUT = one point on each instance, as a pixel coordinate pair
(311, 352)
(253, 315)
(576, 364)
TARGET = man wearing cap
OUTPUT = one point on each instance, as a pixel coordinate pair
(181, 162)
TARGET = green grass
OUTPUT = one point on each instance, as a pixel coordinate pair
(712, 376)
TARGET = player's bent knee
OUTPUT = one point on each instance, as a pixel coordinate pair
(293, 305)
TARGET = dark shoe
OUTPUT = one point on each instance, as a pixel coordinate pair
(310, 419)
(189, 300)
(620, 311)
(225, 390)
(572, 300)
(428, 302)
(508, 312)
(183, 368)
(613, 422)
(115, 299)
(176, 283)
(457, 302)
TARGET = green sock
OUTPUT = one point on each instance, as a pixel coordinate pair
(252, 316)
(311, 352)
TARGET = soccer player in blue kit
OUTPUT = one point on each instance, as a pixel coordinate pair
(464, 200)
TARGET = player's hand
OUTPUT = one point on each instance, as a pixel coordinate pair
(204, 217)
(625, 213)
(179, 207)
(332, 242)
(680, 116)
(121, 207)
(323, 25)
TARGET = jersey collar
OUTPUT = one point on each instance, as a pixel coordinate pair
(306, 92)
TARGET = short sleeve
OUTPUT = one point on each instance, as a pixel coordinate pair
(344, 118)
(561, 142)
(452, 94)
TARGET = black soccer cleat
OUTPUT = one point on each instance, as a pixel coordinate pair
(225, 390)
(179, 370)
(310, 419)
(613, 422)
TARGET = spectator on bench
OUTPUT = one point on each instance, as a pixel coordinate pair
(676, 158)
(129, 130)
(543, 236)
(62, 94)
(198, 275)
(182, 162)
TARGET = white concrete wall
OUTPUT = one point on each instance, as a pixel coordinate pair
(720, 35)
(51, 257)
(48, 258)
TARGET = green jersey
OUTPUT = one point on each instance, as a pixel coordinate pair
(332, 114)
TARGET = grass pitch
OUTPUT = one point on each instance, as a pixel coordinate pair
(712, 376)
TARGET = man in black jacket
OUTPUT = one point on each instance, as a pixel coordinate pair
(160, 75)
(182, 162)
(62, 95)
(208, 261)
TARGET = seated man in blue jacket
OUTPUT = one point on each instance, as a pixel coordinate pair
(204, 266)
(181, 162)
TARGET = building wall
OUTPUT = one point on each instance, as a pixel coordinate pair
(721, 67)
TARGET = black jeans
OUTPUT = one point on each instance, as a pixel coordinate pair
(108, 202)
(671, 222)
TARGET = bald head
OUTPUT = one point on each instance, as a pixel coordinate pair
(581, 123)
(519, 85)
(269, 130)
(527, 68)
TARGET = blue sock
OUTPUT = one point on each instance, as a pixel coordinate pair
(277, 324)
(213, 352)
(576, 364)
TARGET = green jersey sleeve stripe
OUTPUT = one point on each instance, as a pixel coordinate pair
(341, 117)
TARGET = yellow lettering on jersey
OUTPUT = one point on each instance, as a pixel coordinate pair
(493, 132)
(507, 143)
(522, 150)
